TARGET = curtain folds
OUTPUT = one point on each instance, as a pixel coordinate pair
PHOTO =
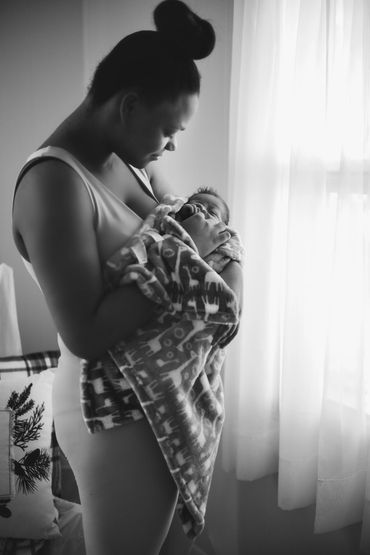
(297, 384)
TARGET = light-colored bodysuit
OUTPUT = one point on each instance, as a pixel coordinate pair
(97, 473)
(173, 363)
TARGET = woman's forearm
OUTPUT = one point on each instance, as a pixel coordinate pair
(138, 309)
(118, 316)
(232, 274)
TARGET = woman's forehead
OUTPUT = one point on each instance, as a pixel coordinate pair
(178, 112)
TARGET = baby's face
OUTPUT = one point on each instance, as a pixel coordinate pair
(212, 204)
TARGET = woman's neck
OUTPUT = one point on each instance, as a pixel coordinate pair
(83, 134)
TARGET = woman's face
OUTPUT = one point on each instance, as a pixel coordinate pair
(148, 131)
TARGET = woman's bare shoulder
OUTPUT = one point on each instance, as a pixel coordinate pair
(49, 194)
(47, 183)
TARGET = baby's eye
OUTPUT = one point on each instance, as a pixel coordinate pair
(199, 207)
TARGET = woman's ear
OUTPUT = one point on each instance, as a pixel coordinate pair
(128, 104)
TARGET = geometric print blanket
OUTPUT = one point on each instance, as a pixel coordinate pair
(173, 364)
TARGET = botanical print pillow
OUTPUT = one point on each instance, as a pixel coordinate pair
(30, 513)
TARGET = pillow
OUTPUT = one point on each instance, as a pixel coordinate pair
(26, 365)
(33, 515)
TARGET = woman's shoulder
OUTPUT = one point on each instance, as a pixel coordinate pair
(48, 185)
(47, 200)
(47, 173)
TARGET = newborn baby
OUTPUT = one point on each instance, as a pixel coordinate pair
(208, 201)
(169, 370)
(205, 200)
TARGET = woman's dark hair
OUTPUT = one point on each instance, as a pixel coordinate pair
(158, 64)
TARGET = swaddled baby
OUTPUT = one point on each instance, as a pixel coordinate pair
(173, 364)
(208, 201)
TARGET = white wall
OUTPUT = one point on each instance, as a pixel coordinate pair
(48, 50)
(41, 65)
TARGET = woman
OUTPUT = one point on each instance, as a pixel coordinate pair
(79, 198)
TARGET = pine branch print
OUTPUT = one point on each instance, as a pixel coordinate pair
(34, 466)
(19, 403)
(26, 407)
(26, 430)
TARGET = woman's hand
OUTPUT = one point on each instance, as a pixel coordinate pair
(207, 234)
(232, 274)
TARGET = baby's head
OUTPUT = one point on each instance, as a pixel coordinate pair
(208, 200)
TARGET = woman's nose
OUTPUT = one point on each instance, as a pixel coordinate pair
(171, 144)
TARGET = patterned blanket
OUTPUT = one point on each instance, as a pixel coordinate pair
(174, 363)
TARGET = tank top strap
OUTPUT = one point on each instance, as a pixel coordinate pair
(56, 153)
(143, 180)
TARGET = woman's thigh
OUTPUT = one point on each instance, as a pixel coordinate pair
(176, 541)
(127, 494)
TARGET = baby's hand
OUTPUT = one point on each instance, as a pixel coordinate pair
(187, 210)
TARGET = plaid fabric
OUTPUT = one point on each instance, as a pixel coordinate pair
(29, 364)
(10, 546)
(33, 363)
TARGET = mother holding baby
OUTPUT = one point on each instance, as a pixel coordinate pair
(78, 199)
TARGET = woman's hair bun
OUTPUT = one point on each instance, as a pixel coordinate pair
(193, 36)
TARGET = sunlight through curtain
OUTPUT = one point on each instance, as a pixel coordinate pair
(297, 383)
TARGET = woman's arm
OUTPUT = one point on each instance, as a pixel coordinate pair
(54, 216)
(232, 274)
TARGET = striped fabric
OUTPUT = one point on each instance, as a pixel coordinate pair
(17, 366)
(33, 363)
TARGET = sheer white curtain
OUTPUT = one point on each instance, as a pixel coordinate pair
(298, 375)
